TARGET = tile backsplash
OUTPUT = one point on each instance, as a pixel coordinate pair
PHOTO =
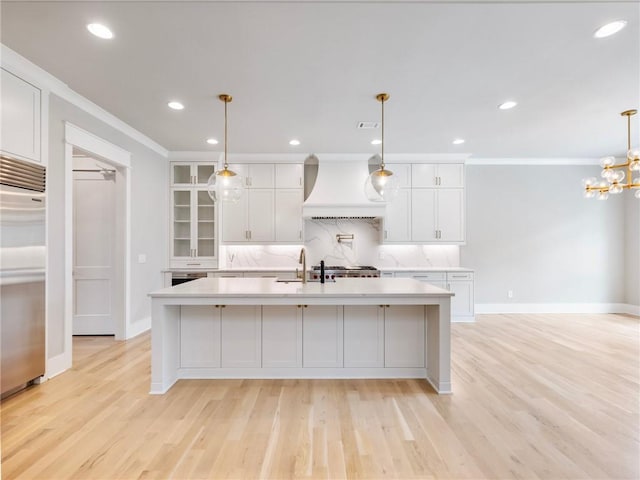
(321, 244)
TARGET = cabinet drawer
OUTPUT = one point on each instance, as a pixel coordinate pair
(453, 276)
(429, 276)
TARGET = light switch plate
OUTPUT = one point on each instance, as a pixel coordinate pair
(142, 258)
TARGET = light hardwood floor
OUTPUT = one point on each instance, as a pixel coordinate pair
(535, 396)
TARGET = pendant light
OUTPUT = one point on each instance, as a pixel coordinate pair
(381, 185)
(613, 173)
(225, 185)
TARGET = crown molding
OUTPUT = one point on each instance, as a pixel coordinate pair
(533, 161)
(42, 79)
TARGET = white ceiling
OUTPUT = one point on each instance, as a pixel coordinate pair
(310, 70)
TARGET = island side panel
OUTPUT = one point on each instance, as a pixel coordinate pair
(439, 345)
(165, 345)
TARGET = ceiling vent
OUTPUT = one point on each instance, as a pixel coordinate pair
(368, 125)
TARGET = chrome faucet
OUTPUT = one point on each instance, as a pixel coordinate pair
(303, 261)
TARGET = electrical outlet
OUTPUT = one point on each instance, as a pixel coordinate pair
(142, 258)
(380, 255)
(510, 294)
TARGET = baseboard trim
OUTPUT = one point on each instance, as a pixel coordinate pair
(138, 327)
(57, 365)
(496, 308)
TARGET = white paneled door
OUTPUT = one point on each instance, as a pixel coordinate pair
(93, 252)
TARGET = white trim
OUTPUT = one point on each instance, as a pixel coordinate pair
(121, 159)
(205, 156)
(85, 140)
(556, 162)
(497, 308)
(266, 157)
(41, 78)
(139, 327)
(57, 365)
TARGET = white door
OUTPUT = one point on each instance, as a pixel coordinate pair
(451, 215)
(423, 214)
(289, 215)
(93, 253)
(261, 214)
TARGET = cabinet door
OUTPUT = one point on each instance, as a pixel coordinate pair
(423, 175)
(199, 336)
(234, 220)
(450, 216)
(403, 172)
(322, 336)
(289, 175)
(261, 175)
(21, 135)
(363, 336)
(205, 223)
(397, 219)
(288, 215)
(450, 175)
(181, 173)
(462, 302)
(202, 172)
(261, 214)
(423, 215)
(181, 246)
(404, 336)
(241, 336)
(281, 336)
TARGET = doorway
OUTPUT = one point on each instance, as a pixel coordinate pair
(115, 158)
(94, 190)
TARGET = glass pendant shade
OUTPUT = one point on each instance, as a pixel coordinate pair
(225, 185)
(381, 186)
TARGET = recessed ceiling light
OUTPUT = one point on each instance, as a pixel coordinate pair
(100, 30)
(458, 141)
(507, 105)
(212, 141)
(610, 29)
(175, 105)
(294, 142)
(376, 141)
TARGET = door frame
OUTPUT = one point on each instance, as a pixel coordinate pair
(121, 160)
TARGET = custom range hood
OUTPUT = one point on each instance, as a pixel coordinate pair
(338, 191)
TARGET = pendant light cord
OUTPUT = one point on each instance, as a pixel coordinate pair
(226, 164)
(382, 137)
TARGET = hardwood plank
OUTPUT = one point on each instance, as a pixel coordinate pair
(535, 396)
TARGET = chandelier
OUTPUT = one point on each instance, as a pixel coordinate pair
(225, 185)
(381, 185)
(614, 174)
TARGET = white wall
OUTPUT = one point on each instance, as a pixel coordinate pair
(530, 230)
(148, 215)
(632, 250)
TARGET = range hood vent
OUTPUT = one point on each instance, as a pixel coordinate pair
(339, 189)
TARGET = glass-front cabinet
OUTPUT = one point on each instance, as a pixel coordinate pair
(194, 217)
(191, 173)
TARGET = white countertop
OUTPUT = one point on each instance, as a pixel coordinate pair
(269, 288)
(292, 269)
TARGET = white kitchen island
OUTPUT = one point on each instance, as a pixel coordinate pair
(215, 328)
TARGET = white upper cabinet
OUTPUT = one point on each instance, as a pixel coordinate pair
(437, 215)
(21, 119)
(191, 173)
(427, 175)
(270, 209)
(256, 175)
(432, 210)
(250, 219)
(397, 220)
(289, 175)
(403, 172)
(288, 215)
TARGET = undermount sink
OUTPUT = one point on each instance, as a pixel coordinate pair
(299, 280)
